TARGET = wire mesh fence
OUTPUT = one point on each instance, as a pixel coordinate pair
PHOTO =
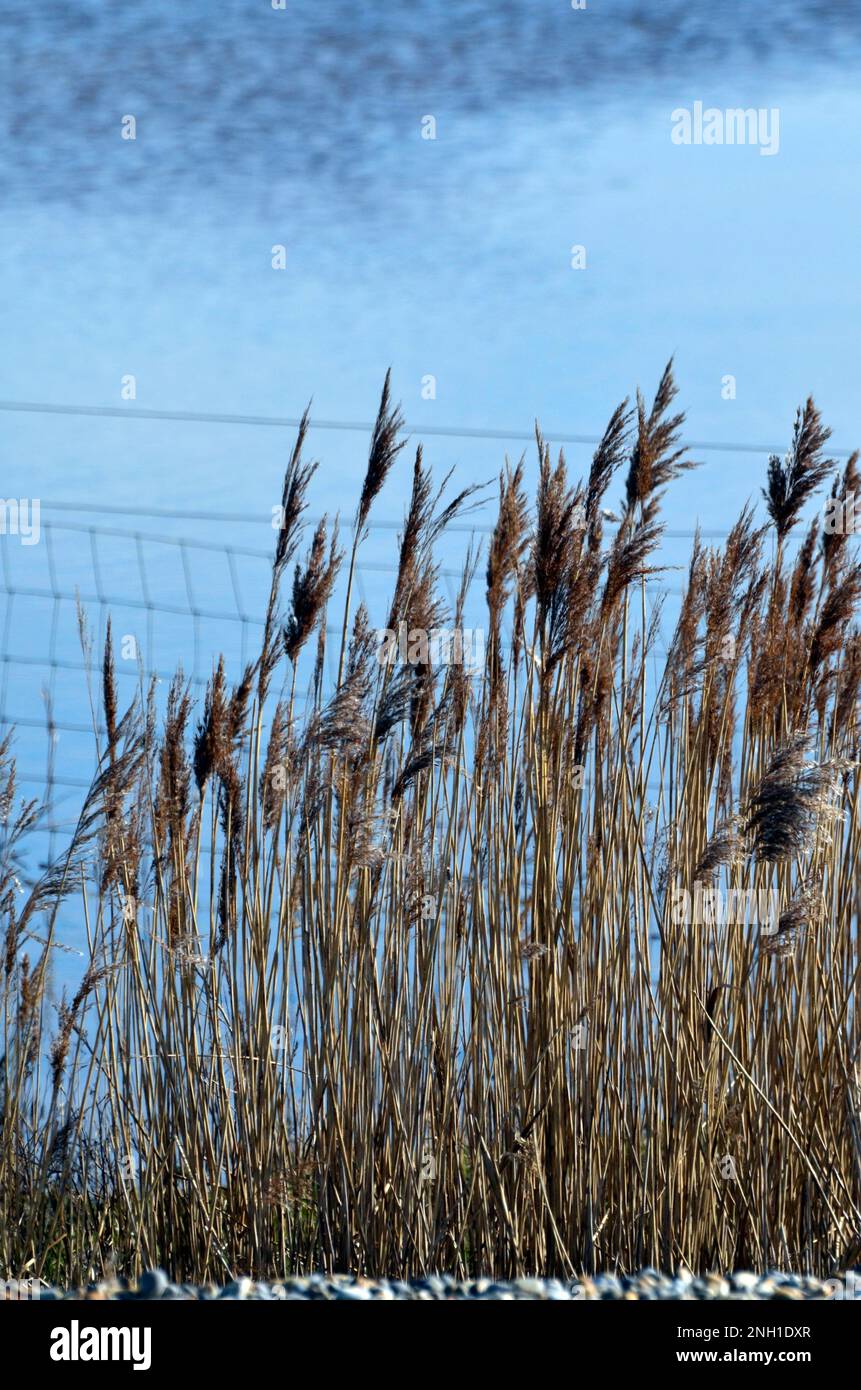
(183, 587)
(174, 601)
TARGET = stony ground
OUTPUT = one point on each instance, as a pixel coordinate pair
(648, 1284)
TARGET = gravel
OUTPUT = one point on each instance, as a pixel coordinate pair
(649, 1284)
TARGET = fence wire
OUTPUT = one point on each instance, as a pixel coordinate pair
(173, 600)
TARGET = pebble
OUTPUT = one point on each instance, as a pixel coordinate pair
(152, 1284)
(237, 1288)
(648, 1285)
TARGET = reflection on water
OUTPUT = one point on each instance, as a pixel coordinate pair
(242, 98)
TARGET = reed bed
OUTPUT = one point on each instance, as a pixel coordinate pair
(397, 983)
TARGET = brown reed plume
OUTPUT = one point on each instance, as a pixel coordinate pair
(792, 480)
